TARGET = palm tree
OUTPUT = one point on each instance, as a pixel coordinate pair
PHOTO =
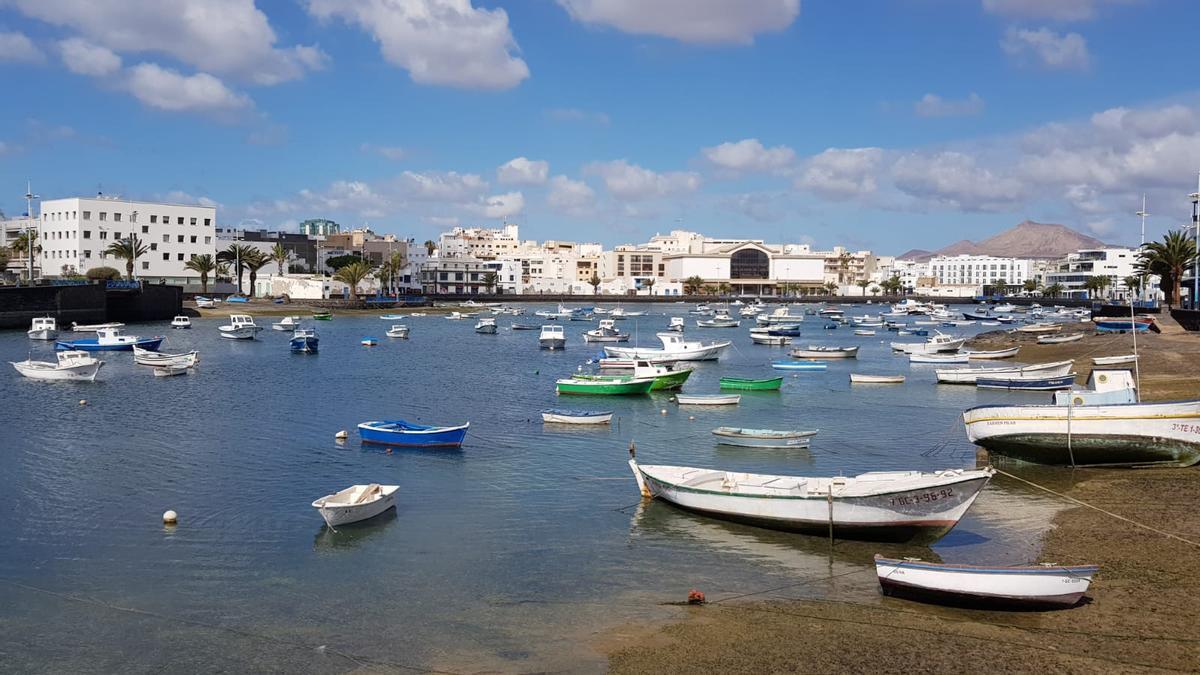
(4, 257)
(1030, 285)
(709, 289)
(843, 262)
(236, 254)
(875, 290)
(648, 284)
(396, 263)
(692, 285)
(352, 275)
(281, 256)
(203, 265)
(830, 288)
(254, 261)
(863, 283)
(19, 244)
(489, 281)
(724, 288)
(595, 283)
(430, 246)
(1133, 284)
(1053, 290)
(128, 249)
(1169, 259)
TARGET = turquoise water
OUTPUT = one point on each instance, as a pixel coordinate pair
(513, 554)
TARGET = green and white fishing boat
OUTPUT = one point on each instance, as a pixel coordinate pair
(323, 316)
(616, 385)
(745, 384)
(665, 377)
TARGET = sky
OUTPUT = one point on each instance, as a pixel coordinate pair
(873, 124)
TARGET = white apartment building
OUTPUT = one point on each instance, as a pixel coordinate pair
(910, 272)
(1073, 271)
(468, 276)
(479, 242)
(10, 229)
(76, 231)
(978, 270)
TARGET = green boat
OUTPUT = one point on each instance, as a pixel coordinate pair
(751, 385)
(613, 385)
(323, 316)
(665, 378)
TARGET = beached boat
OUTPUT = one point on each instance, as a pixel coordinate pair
(398, 330)
(305, 341)
(240, 327)
(1118, 325)
(392, 317)
(1116, 435)
(567, 416)
(937, 358)
(171, 370)
(1040, 327)
(287, 323)
(181, 323)
(356, 503)
(1104, 387)
(768, 339)
(399, 433)
(69, 366)
(95, 327)
(985, 587)
(205, 303)
(1114, 360)
(817, 352)
(745, 384)
(43, 328)
(884, 505)
(323, 316)
(486, 325)
(799, 365)
(987, 355)
(675, 347)
(605, 332)
(676, 324)
(109, 340)
(762, 438)
(1022, 382)
(1058, 339)
(861, 378)
(969, 375)
(707, 399)
(613, 385)
(552, 337)
(149, 357)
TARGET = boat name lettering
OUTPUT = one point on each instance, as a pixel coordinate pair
(1188, 428)
(923, 497)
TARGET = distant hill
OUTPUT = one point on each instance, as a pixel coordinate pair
(1025, 240)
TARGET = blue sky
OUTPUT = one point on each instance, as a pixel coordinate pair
(873, 124)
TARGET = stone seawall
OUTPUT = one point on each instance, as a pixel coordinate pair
(87, 303)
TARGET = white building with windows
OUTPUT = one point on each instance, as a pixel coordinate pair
(75, 232)
(1073, 271)
(978, 270)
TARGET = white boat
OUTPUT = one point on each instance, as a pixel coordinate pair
(605, 332)
(861, 378)
(288, 323)
(762, 438)
(552, 337)
(863, 332)
(817, 352)
(969, 375)
(147, 357)
(565, 416)
(181, 322)
(674, 347)
(630, 364)
(938, 343)
(937, 358)
(398, 330)
(486, 325)
(70, 366)
(43, 328)
(460, 316)
(1114, 360)
(707, 399)
(676, 324)
(205, 303)
(1105, 387)
(169, 371)
(1004, 309)
(1058, 339)
(748, 312)
(768, 339)
(1084, 435)
(993, 354)
(721, 320)
(620, 313)
(391, 317)
(985, 587)
(355, 503)
(95, 327)
(889, 505)
(240, 327)
(780, 315)
(1042, 327)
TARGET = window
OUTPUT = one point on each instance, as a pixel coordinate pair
(193, 238)
(103, 216)
(749, 263)
(133, 217)
(166, 238)
(103, 234)
(145, 264)
(179, 256)
(193, 222)
(153, 219)
(154, 247)
(145, 229)
(208, 240)
(87, 234)
(166, 256)
(116, 235)
(180, 238)
(87, 253)
(179, 220)
(87, 215)
(207, 222)
(116, 217)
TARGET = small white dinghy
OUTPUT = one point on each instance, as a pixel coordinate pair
(355, 503)
(43, 328)
(287, 323)
(938, 358)
(71, 366)
(95, 327)
(1114, 360)
(993, 354)
(565, 416)
(181, 322)
(762, 438)
(707, 399)
(171, 370)
(1016, 587)
(822, 352)
(398, 330)
(861, 378)
(1058, 339)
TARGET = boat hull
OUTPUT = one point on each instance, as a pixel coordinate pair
(92, 345)
(604, 388)
(1014, 588)
(1018, 383)
(737, 383)
(305, 345)
(553, 344)
(567, 417)
(800, 440)
(337, 515)
(49, 373)
(242, 333)
(441, 437)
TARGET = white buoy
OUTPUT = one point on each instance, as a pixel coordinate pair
(664, 411)
(691, 418)
(83, 401)
(341, 435)
(170, 517)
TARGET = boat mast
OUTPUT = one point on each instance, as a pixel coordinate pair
(29, 244)
(1143, 213)
(1196, 264)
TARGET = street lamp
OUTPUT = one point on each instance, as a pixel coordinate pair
(1195, 197)
(29, 197)
(1143, 213)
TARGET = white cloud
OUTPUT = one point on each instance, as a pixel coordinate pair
(448, 186)
(1046, 48)
(955, 179)
(841, 173)
(227, 37)
(749, 155)
(576, 115)
(632, 182)
(346, 196)
(442, 42)
(84, 58)
(762, 207)
(573, 197)
(523, 171)
(501, 206)
(166, 89)
(392, 152)
(932, 105)
(1058, 10)
(698, 21)
(18, 48)
(182, 197)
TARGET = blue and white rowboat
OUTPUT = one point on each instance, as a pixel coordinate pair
(400, 433)
(109, 340)
(798, 365)
(1026, 384)
(566, 416)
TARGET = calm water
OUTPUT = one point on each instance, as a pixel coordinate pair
(512, 554)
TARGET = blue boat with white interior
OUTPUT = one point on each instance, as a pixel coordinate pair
(1023, 384)
(110, 340)
(399, 433)
(305, 341)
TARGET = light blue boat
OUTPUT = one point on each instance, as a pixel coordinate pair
(399, 433)
(798, 365)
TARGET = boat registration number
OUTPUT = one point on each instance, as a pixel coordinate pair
(1187, 428)
(922, 497)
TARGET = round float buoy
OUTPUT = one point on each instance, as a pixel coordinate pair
(664, 411)
(170, 517)
(83, 401)
(341, 435)
(691, 418)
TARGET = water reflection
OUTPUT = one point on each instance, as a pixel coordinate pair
(353, 535)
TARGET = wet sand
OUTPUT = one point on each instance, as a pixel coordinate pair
(1140, 614)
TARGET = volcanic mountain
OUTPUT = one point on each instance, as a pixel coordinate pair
(1025, 240)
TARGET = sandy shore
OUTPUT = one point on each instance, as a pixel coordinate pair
(1144, 605)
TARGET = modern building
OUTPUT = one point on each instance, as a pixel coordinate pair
(302, 247)
(10, 229)
(980, 271)
(319, 227)
(479, 242)
(751, 268)
(465, 275)
(1073, 272)
(75, 232)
